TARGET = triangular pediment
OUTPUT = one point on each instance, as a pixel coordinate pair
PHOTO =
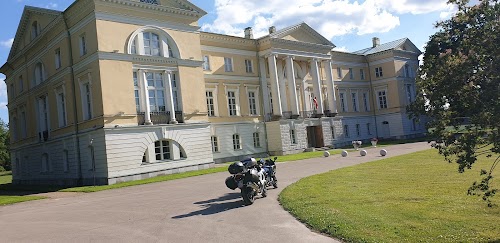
(43, 18)
(407, 45)
(302, 33)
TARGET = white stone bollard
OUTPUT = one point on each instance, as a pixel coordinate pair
(344, 153)
(363, 153)
(383, 152)
(326, 154)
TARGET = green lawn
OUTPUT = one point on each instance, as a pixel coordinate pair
(6, 178)
(410, 198)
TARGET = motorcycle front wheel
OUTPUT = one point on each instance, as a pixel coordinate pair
(248, 195)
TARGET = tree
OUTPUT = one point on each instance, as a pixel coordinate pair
(4, 146)
(460, 86)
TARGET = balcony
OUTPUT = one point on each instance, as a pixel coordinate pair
(310, 114)
(160, 117)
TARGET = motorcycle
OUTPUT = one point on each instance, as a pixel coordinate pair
(249, 177)
(269, 167)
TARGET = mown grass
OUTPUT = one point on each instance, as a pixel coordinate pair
(410, 198)
(5, 178)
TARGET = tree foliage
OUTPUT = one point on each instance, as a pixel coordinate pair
(4, 146)
(460, 86)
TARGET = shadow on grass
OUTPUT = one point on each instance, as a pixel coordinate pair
(10, 189)
(214, 206)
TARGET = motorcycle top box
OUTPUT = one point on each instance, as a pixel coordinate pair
(236, 168)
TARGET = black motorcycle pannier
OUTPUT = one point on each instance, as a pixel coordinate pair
(231, 183)
(236, 168)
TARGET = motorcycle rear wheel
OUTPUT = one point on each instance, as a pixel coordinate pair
(248, 195)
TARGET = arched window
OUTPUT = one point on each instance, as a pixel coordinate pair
(164, 150)
(39, 73)
(152, 41)
(45, 163)
(35, 30)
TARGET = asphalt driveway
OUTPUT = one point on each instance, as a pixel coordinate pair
(196, 209)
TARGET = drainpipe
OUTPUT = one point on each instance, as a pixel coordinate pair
(373, 92)
(75, 107)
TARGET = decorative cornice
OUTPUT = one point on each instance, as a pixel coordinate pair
(160, 8)
(229, 77)
(228, 50)
(226, 39)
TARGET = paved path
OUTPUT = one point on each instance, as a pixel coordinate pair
(196, 209)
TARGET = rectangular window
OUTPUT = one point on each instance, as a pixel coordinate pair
(365, 102)
(151, 44)
(407, 70)
(210, 103)
(256, 140)
(351, 74)
(339, 72)
(382, 99)
(354, 97)
(228, 64)
(248, 66)
(378, 72)
(58, 58)
(343, 106)
(65, 161)
(252, 102)
(206, 63)
(136, 92)
(409, 93)
(162, 150)
(293, 138)
(20, 84)
(215, 144)
(236, 142)
(23, 124)
(332, 129)
(43, 118)
(61, 108)
(358, 130)
(83, 45)
(87, 101)
(156, 91)
(231, 99)
(368, 129)
(346, 131)
(362, 74)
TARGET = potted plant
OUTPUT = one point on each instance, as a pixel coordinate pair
(356, 144)
(374, 142)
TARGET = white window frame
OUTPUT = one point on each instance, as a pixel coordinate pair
(137, 90)
(256, 99)
(381, 99)
(215, 143)
(206, 62)
(152, 48)
(61, 106)
(366, 101)
(237, 142)
(156, 89)
(57, 56)
(351, 74)
(362, 74)
(378, 72)
(82, 40)
(355, 102)
(86, 98)
(228, 64)
(237, 101)
(163, 149)
(343, 103)
(293, 136)
(256, 140)
(346, 131)
(248, 66)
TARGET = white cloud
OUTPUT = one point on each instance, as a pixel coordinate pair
(51, 5)
(330, 17)
(7, 43)
(3, 89)
(450, 11)
(341, 48)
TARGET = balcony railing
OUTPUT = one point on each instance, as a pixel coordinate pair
(160, 117)
(310, 114)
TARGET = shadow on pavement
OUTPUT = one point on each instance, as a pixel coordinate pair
(216, 205)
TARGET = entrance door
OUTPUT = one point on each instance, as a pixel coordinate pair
(315, 137)
(386, 132)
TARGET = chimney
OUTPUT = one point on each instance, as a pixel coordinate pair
(248, 33)
(272, 29)
(376, 41)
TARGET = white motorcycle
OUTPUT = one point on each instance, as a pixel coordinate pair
(249, 178)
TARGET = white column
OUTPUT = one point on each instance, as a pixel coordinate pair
(274, 85)
(140, 44)
(290, 73)
(169, 96)
(305, 106)
(145, 94)
(317, 85)
(330, 89)
(263, 84)
(282, 85)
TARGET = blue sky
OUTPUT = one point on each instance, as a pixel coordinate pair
(350, 25)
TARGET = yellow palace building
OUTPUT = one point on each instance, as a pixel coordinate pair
(117, 90)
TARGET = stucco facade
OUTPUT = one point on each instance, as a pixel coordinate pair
(110, 91)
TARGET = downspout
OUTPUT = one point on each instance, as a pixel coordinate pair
(373, 92)
(75, 107)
